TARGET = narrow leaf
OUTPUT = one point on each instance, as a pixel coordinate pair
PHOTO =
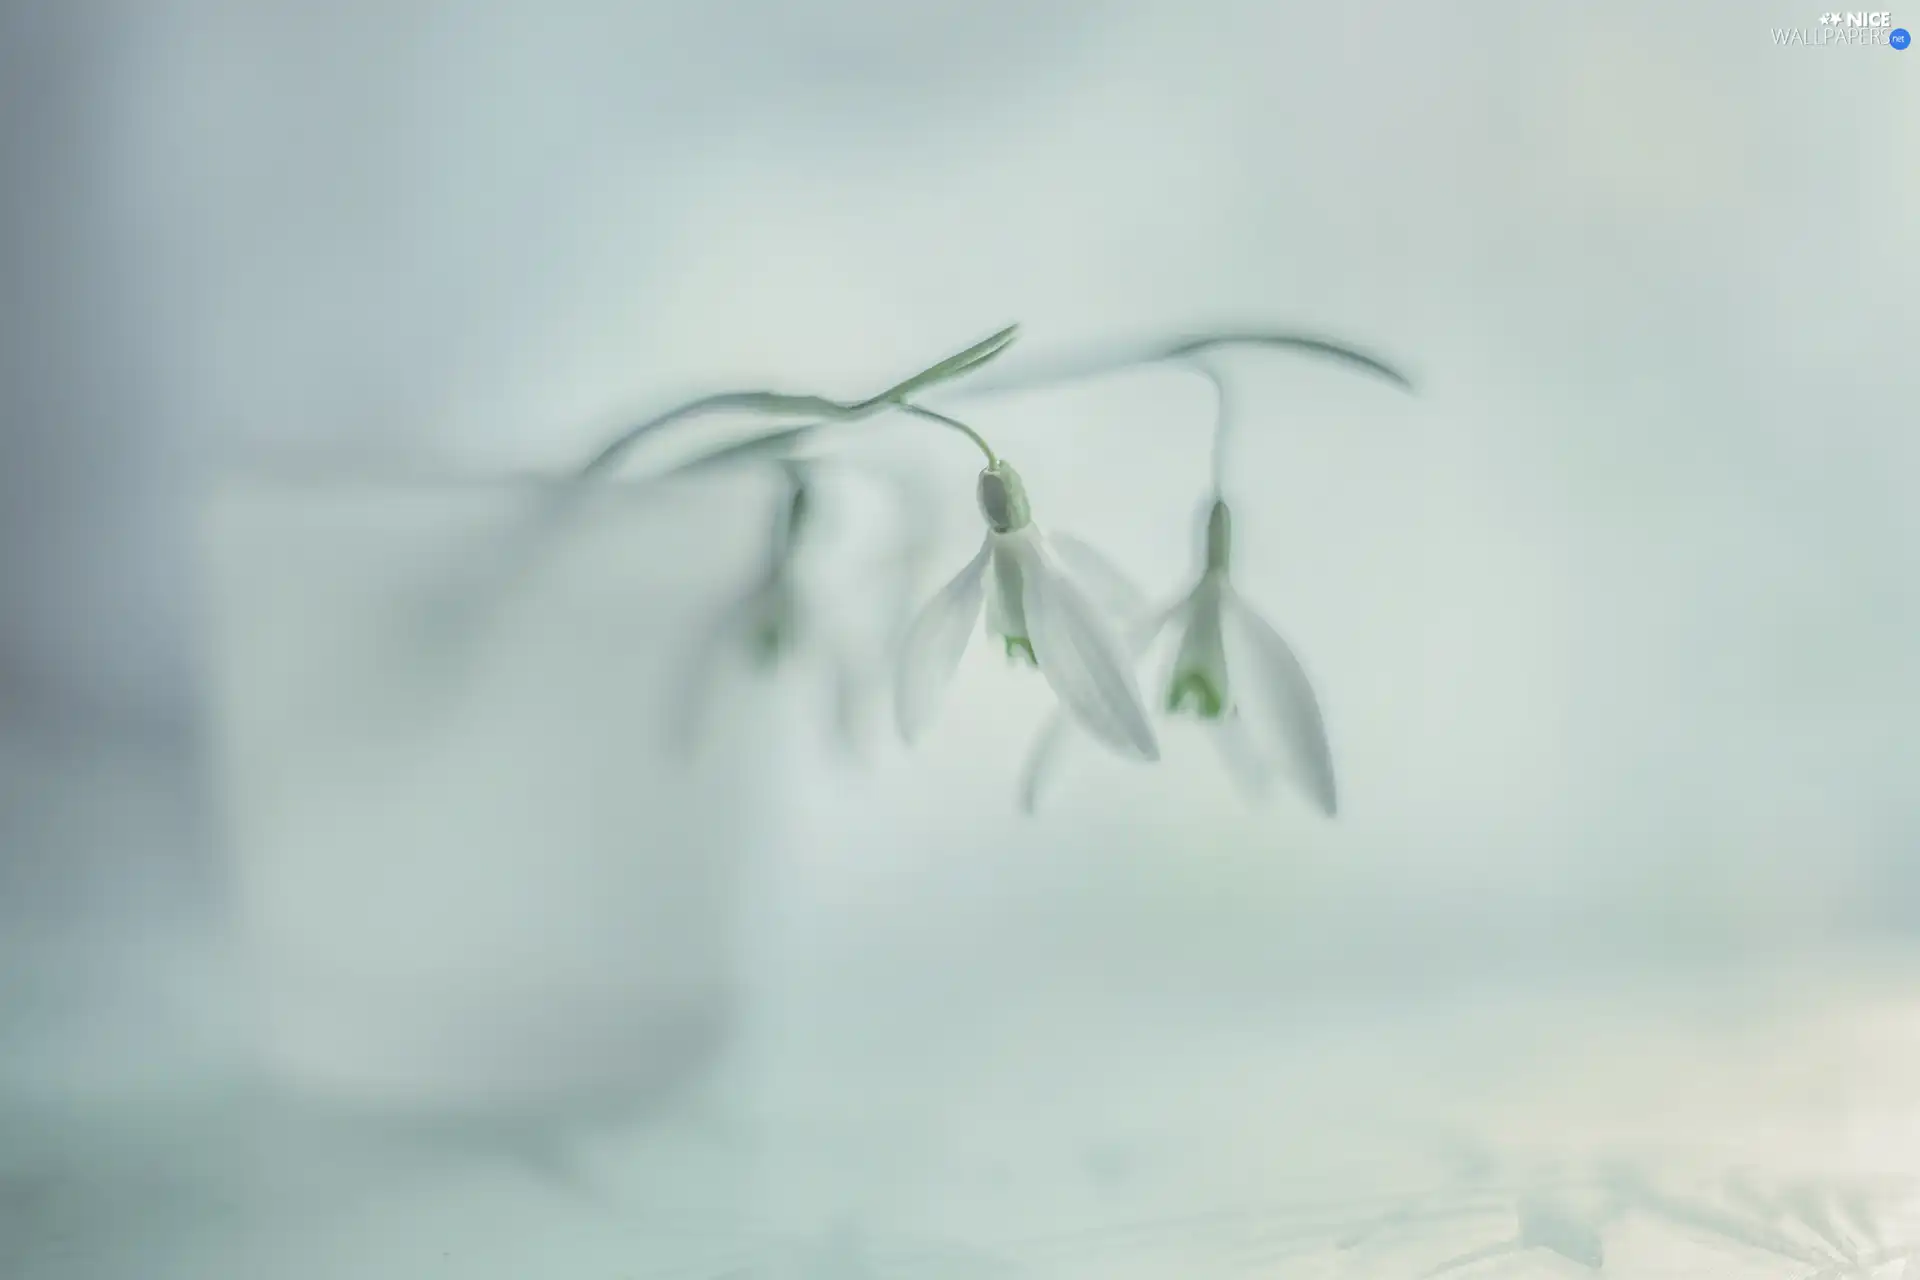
(731, 401)
(950, 368)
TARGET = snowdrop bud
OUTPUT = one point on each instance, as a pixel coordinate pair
(1003, 499)
(1219, 535)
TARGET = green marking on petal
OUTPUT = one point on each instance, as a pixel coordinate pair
(1018, 646)
(1192, 691)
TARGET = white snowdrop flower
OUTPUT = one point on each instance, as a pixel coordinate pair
(1230, 666)
(774, 624)
(1040, 613)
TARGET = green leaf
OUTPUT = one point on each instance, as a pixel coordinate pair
(773, 444)
(952, 367)
(776, 402)
(771, 402)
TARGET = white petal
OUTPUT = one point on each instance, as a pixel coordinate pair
(931, 652)
(1082, 658)
(1105, 583)
(1058, 734)
(1044, 759)
(1273, 685)
(1250, 771)
(1140, 639)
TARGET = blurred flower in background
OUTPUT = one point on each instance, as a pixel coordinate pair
(833, 599)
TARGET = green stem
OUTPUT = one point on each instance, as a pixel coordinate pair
(756, 401)
(1338, 351)
(955, 423)
(1083, 369)
(777, 402)
(1221, 417)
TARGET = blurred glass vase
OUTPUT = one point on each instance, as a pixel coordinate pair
(471, 867)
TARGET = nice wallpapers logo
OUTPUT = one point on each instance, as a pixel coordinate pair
(1839, 30)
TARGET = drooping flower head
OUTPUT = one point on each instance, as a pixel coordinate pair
(783, 619)
(770, 618)
(1040, 613)
(1198, 684)
(1228, 661)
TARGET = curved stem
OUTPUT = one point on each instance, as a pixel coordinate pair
(1338, 351)
(953, 366)
(955, 423)
(1221, 418)
(756, 401)
(779, 402)
(1100, 365)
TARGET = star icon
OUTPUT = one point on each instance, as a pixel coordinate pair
(1829, 19)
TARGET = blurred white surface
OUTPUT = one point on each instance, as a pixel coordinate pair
(1727, 1124)
(472, 864)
